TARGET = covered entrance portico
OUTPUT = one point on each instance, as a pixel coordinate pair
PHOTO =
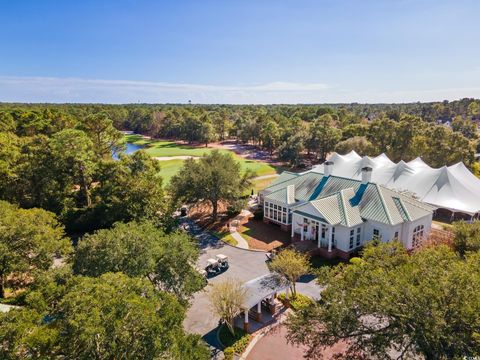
(313, 228)
(260, 305)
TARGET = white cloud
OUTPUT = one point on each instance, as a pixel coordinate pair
(52, 89)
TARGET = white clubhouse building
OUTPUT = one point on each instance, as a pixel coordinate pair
(340, 214)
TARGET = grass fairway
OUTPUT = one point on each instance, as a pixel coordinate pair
(261, 184)
(260, 168)
(135, 139)
(169, 168)
(160, 148)
(168, 148)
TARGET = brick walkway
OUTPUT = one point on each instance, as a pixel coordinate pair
(273, 346)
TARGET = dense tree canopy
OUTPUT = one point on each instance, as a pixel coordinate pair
(215, 177)
(141, 249)
(110, 317)
(29, 240)
(129, 189)
(389, 304)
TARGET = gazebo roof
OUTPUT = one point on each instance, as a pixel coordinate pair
(263, 287)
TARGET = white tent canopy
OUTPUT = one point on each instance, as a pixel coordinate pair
(453, 187)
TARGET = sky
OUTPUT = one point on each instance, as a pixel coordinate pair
(239, 52)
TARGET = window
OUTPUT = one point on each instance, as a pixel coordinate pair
(417, 236)
(352, 237)
(359, 241)
(278, 213)
(334, 244)
(376, 234)
(396, 235)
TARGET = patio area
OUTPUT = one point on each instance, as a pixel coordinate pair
(261, 236)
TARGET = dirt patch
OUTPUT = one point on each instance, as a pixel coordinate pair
(202, 214)
(263, 236)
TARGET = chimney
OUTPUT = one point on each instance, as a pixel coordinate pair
(327, 168)
(366, 174)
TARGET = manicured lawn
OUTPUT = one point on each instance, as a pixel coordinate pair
(260, 168)
(160, 148)
(168, 148)
(261, 184)
(168, 168)
(135, 139)
(226, 236)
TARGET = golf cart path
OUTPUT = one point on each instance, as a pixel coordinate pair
(269, 176)
(178, 157)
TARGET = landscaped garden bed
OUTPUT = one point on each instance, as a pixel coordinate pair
(296, 302)
(233, 344)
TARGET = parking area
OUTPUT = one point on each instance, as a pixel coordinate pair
(244, 265)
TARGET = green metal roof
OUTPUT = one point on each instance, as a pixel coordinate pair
(345, 201)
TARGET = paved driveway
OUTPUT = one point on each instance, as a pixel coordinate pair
(244, 265)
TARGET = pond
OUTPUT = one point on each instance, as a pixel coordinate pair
(130, 149)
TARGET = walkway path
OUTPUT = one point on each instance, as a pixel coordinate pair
(241, 242)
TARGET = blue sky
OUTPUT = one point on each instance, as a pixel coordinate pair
(244, 51)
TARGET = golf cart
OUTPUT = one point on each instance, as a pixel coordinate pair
(213, 267)
(222, 261)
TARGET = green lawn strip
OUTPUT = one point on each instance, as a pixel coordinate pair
(226, 237)
(234, 343)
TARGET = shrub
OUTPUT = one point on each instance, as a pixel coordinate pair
(236, 344)
(228, 353)
(240, 345)
(298, 301)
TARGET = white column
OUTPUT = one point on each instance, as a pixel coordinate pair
(246, 316)
(329, 236)
(259, 307)
(301, 232)
(293, 224)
